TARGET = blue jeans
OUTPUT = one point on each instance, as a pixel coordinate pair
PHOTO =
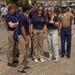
(65, 36)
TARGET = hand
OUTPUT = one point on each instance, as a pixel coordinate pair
(31, 35)
(27, 41)
(17, 23)
(59, 33)
(44, 36)
(51, 22)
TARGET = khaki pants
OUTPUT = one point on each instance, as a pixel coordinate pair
(23, 53)
(12, 48)
(38, 44)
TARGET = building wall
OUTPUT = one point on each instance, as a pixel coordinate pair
(2, 1)
(55, 1)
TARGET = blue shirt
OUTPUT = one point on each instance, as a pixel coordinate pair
(11, 18)
(31, 14)
(38, 22)
(17, 14)
(52, 26)
(24, 22)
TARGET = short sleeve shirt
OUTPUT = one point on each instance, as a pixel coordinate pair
(17, 14)
(38, 22)
(51, 26)
(31, 14)
(11, 18)
(24, 22)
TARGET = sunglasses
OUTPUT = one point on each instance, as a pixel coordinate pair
(40, 9)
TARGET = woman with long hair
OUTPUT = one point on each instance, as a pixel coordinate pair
(38, 30)
(52, 25)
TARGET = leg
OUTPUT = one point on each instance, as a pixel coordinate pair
(68, 41)
(40, 49)
(35, 44)
(55, 43)
(49, 39)
(10, 54)
(23, 53)
(63, 41)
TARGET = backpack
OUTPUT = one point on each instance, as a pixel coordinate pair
(16, 33)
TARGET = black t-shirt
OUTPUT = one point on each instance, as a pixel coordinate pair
(38, 22)
(11, 18)
(24, 22)
(51, 26)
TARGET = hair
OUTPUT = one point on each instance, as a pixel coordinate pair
(34, 3)
(37, 12)
(46, 16)
(26, 7)
(12, 6)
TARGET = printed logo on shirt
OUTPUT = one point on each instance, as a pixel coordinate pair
(42, 19)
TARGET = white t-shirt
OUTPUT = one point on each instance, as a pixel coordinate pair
(4, 11)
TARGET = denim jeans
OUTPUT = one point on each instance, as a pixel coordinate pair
(53, 43)
(65, 37)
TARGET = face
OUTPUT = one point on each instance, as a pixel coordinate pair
(64, 9)
(49, 11)
(13, 10)
(40, 10)
(35, 6)
(28, 11)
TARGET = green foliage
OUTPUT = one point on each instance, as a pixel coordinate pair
(21, 2)
(18, 2)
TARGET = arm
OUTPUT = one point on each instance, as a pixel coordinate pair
(72, 16)
(23, 33)
(44, 31)
(12, 25)
(31, 28)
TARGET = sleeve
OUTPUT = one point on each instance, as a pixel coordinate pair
(32, 20)
(72, 16)
(22, 21)
(47, 22)
(8, 19)
(56, 19)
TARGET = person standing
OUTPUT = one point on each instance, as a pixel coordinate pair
(65, 33)
(23, 39)
(12, 23)
(30, 16)
(52, 34)
(38, 31)
(4, 12)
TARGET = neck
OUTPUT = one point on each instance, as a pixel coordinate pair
(25, 14)
(11, 13)
(39, 14)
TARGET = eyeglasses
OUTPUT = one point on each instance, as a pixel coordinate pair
(40, 9)
(49, 10)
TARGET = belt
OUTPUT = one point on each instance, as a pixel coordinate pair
(51, 29)
(38, 28)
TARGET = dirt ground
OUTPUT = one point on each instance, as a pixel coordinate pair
(64, 67)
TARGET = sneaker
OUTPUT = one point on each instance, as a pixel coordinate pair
(50, 58)
(12, 64)
(22, 71)
(36, 60)
(56, 60)
(42, 60)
